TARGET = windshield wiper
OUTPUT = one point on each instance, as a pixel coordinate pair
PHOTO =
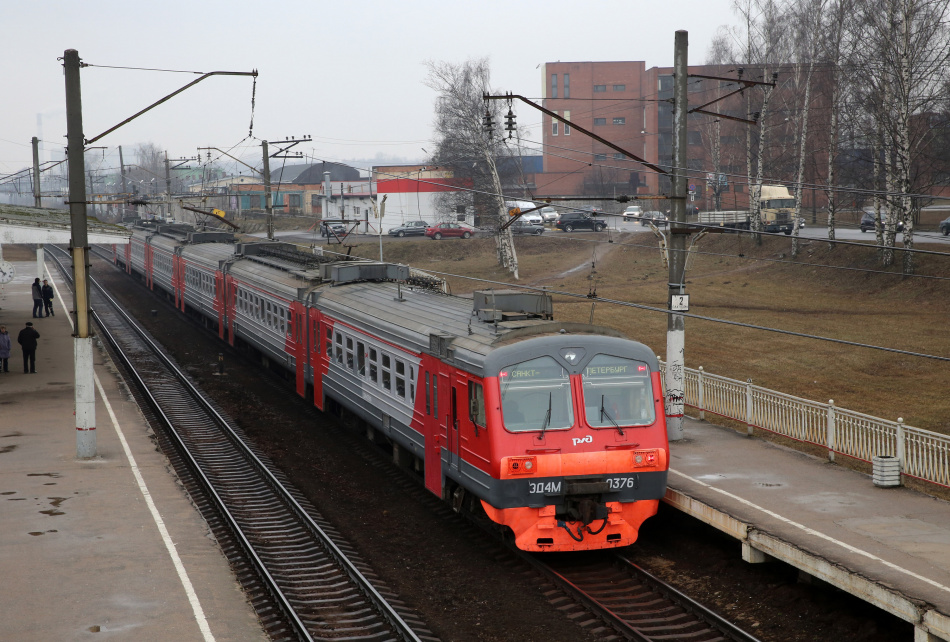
(547, 416)
(604, 413)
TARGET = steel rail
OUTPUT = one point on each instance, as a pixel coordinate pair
(379, 602)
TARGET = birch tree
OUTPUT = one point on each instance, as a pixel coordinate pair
(463, 145)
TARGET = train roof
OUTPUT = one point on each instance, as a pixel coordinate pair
(445, 325)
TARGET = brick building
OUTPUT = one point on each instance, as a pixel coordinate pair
(631, 106)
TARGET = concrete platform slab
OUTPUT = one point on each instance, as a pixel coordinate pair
(889, 546)
(104, 549)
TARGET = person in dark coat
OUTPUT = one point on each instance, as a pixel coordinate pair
(27, 340)
(48, 297)
(5, 346)
(37, 299)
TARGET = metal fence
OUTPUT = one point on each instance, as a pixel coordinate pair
(922, 454)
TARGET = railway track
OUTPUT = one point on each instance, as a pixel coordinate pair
(633, 602)
(305, 583)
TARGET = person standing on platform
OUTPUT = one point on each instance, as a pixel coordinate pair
(5, 346)
(37, 299)
(27, 340)
(47, 298)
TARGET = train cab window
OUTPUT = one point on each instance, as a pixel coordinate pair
(329, 341)
(617, 392)
(412, 383)
(339, 348)
(361, 359)
(349, 353)
(400, 378)
(476, 404)
(536, 395)
(387, 372)
(373, 360)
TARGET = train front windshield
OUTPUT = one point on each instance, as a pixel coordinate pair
(617, 392)
(536, 395)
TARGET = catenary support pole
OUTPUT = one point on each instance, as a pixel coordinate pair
(37, 199)
(675, 329)
(168, 190)
(85, 376)
(268, 203)
(38, 202)
(125, 189)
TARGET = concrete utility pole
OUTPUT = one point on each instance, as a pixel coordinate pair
(675, 328)
(122, 170)
(268, 204)
(168, 189)
(37, 199)
(326, 196)
(79, 247)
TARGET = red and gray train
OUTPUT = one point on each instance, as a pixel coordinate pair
(556, 429)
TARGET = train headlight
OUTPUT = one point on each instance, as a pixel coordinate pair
(644, 458)
(522, 465)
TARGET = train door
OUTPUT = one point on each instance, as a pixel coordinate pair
(432, 424)
(296, 346)
(449, 422)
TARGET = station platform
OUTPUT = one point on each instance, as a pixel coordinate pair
(109, 548)
(887, 546)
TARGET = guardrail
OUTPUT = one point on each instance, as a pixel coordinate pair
(922, 454)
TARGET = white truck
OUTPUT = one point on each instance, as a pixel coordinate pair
(776, 207)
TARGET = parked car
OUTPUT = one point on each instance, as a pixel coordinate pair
(449, 230)
(570, 221)
(410, 228)
(532, 217)
(522, 226)
(945, 226)
(333, 229)
(632, 212)
(655, 217)
(549, 214)
(867, 222)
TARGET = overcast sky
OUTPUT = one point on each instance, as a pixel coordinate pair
(349, 74)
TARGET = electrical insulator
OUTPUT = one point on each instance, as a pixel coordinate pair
(510, 122)
(488, 122)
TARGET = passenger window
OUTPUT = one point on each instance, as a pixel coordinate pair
(349, 353)
(400, 378)
(372, 365)
(428, 396)
(339, 348)
(361, 359)
(329, 341)
(387, 375)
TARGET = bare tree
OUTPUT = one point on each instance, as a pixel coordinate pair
(909, 46)
(463, 145)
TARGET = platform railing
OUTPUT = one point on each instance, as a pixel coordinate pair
(922, 454)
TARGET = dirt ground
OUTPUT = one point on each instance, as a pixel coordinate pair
(461, 582)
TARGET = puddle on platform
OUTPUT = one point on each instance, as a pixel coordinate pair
(50, 484)
(53, 475)
(8, 492)
(52, 512)
(12, 434)
(7, 449)
(37, 533)
(58, 383)
(57, 501)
